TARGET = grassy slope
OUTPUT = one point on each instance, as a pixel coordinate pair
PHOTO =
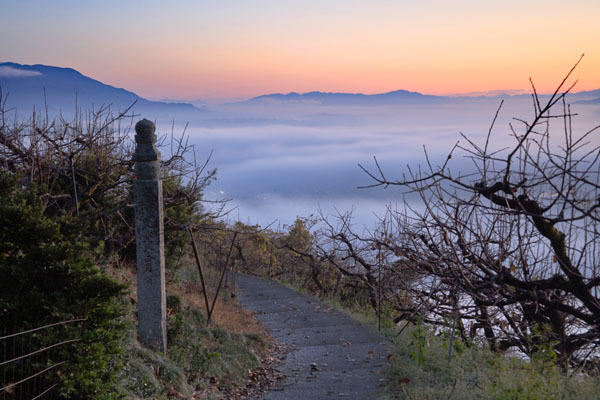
(223, 360)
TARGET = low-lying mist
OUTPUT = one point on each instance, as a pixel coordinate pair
(279, 161)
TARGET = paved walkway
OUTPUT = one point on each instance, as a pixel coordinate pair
(330, 355)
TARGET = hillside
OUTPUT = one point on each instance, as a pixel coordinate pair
(62, 89)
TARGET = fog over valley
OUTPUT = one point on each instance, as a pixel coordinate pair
(309, 157)
(286, 155)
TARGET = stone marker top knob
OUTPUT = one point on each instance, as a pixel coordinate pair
(146, 154)
(145, 131)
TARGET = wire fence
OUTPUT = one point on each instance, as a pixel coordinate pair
(32, 360)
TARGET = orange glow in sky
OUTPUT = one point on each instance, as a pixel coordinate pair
(233, 49)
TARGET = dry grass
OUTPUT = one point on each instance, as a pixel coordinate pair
(228, 314)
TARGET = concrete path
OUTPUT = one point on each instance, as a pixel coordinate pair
(330, 355)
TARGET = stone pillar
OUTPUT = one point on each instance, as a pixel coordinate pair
(149, 238)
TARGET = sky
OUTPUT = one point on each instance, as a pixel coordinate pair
(184, 49)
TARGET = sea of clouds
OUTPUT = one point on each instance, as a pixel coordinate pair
(280, 161)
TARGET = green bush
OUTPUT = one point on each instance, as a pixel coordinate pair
(48, 275)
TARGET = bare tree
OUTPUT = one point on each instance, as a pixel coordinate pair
(85, 164)
(513, 245)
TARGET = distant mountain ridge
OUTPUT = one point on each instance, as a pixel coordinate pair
(588, 97)
(397, 97)
(403, 97)
(26, 86)
(337, 98)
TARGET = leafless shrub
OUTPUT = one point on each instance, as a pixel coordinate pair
(513, 246)
(85, 165)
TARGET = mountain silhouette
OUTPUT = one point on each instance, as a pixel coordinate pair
(350, 99)
(63, 89)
